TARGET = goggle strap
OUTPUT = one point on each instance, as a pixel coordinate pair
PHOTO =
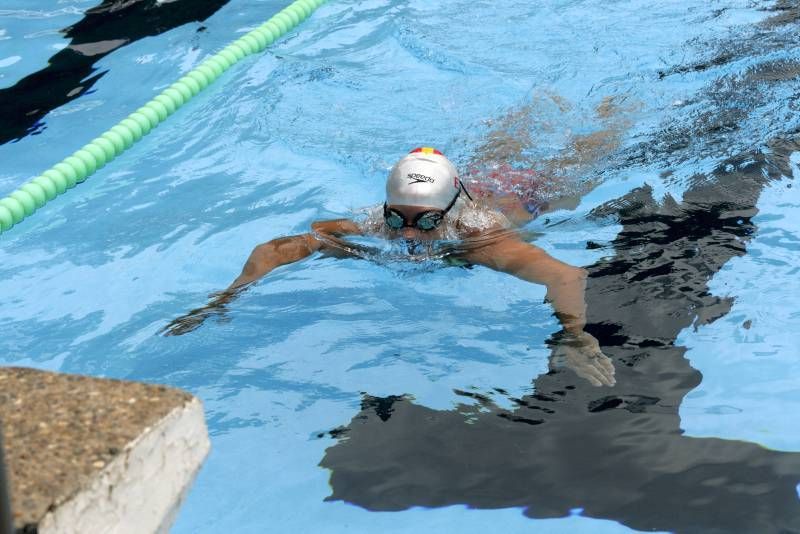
(464, 188)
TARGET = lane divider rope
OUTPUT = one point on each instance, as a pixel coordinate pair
(97, 153)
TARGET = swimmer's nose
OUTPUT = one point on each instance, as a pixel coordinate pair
(409, 233)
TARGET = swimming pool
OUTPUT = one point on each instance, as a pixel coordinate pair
(412, 386)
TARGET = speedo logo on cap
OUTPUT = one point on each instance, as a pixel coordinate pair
(417, 178)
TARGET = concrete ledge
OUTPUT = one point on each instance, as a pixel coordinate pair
(93, 455)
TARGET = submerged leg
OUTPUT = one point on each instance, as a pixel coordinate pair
(510, 173)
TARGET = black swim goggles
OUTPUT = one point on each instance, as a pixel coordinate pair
(424, 221)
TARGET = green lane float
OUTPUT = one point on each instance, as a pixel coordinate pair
(77, 167)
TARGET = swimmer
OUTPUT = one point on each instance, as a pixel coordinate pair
(426, 201)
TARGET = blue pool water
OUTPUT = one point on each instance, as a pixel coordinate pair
(706, 123)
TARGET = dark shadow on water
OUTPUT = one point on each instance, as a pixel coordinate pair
(617, 453)
(70, 73)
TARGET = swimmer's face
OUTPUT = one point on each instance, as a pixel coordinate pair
(409, 230)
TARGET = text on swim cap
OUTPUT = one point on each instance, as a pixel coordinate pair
(416, 178)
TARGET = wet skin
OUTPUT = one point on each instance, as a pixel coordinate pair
(502, 251)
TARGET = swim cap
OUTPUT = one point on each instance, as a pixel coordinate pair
(423, 178)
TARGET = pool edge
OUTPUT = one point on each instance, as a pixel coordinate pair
(96, 455)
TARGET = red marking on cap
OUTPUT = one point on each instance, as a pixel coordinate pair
(426, 150)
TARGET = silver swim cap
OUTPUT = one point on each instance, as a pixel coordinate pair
(423, 178)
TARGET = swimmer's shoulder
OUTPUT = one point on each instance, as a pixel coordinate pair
(474, 218)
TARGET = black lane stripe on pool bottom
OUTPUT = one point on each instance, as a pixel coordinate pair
(71, 73)
(616, 453)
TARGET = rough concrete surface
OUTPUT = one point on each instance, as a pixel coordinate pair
(96, 455)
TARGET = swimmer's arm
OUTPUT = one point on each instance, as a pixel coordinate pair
(263, 259)
(268, 256)
(565, 284)
(286, 250)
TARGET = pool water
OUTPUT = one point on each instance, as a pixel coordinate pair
(347, 395)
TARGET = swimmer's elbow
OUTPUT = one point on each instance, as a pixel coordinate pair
(335, 228)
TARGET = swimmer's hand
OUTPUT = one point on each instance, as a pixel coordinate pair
(186, 323)
(581, 353)
(192, 320)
